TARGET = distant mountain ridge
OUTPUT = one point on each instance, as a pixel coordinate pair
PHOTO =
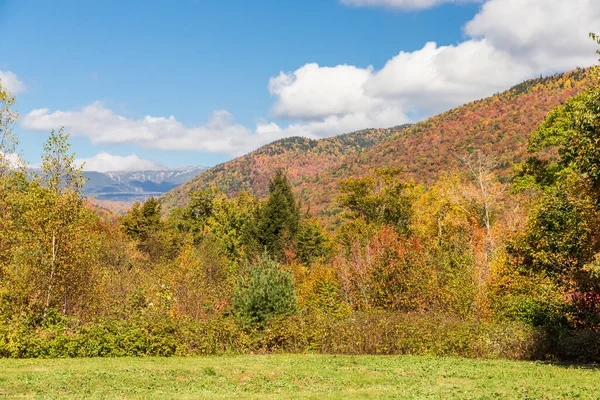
(498, 125)
(130, 186)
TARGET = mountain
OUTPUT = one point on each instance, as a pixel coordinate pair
(498, 125)
(130, 186)
(303, 159)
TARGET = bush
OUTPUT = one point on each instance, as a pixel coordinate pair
(378, 333)
(389, 333)
(264, 292)
(140, 335)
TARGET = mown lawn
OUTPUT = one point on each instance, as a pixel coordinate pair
(295, 377)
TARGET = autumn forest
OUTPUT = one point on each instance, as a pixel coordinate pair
(475, 233)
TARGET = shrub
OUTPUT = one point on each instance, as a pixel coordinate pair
(391, 333)
(263, 292)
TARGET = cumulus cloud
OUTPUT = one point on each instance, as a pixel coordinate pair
(11, 82)
(403, 4)
(317, 92)
(105, 162)
(506, 41)
(546, 35)
(435, 78)
(221, 134)
(104, 126)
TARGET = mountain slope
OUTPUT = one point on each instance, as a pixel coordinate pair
(302, 158)
(498, 125)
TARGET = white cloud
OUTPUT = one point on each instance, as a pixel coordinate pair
(435, 78)
(221, 134)
(403, 4)
(104, 126)
(547, 35)
(104, 162)
(11, 82)
(313, 92)
(11, 161)
(506, 42)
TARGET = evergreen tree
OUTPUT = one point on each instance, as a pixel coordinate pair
(280, 217)
(264, 292)
(312, 242)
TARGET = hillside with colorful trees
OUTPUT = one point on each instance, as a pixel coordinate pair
(303, 158)
(497, 126)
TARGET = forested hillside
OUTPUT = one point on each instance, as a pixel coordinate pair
(303, 159)
(497, 126)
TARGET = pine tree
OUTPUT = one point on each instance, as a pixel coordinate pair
(265, 291)
(280, 217)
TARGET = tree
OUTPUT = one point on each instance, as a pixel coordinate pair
(595, 38)
(482, 202)
(564, 170)
(312, 242)
(8, 140)
(193, 218)
(10, 185)
(157, 240)
(51, 253)
(279, 217)
(232, 221)
(64, 181)
(562, 237)
(479, 195)
(381, 199)
(143, 219)
(265, 291)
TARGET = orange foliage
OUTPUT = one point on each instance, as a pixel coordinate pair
(498, 126)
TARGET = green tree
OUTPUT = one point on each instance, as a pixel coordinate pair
(562, 236)
(143, 219)
(264, 292)
(312, 242)
(279, 218)
(155, 238)
(193, 218)
(230, 220)
(381, 199)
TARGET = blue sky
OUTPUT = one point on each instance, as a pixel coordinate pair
(201, 81)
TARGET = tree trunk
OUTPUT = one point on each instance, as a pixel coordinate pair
(52, 272)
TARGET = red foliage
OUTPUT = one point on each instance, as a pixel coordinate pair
(498, 126)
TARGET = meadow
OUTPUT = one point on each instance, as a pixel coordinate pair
(295, 377)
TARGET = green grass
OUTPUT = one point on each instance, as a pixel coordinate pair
(295, 377)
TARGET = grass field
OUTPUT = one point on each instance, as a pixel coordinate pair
(295, 377)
